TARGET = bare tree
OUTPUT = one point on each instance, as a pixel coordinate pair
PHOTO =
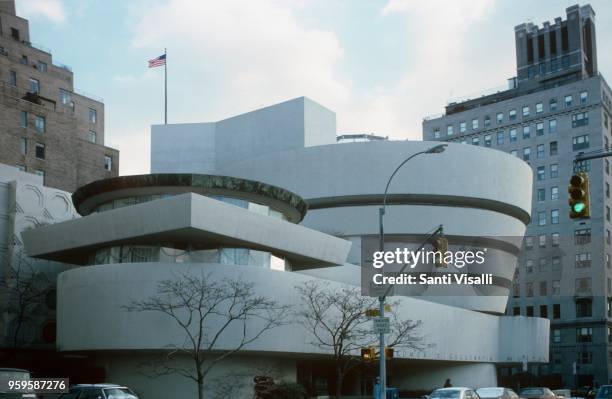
(25, 288)
(336, 319)
(206, 309)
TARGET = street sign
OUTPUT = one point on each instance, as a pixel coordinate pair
(381, 325)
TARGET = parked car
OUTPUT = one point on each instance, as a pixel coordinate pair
(604, 392)
(586, 392)
(496, 393)
(454, 393)
(537, 393)
(98, 391)
(565, 393)
(15, 375)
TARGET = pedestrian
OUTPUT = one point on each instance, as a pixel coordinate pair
(447, 383)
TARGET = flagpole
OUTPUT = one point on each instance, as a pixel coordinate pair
(165, 88)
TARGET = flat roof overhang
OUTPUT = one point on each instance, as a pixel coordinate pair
(180, 220)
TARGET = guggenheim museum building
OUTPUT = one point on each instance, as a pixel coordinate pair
(271, 198)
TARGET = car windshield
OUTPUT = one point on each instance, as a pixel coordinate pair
(119, 393)
(490, 392)
(446, 393)
(532, 391)
(605, 392)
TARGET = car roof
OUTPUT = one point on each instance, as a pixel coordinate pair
(13, 369)
(454, 389)
(98, 386)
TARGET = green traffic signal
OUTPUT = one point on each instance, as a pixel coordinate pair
(579, 207)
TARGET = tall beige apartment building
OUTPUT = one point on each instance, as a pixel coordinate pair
(46, 127)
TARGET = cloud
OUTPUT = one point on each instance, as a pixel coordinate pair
(49, 9)
(254, 52)
(232, 56)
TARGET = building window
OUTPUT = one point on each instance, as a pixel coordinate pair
(526, 153)
(554, 193)
(91, 136)
(525, 111)
(541, 195)
(542, 240)
(475, 140)
(529, 266)
(437, 133)
(542, 218)
(580, 142)
(15, 33)
(500, 117)
(580, 119)
(34, 86)
(514, 153)
(540, 128)
(500, 138)
(65, 96)
(475, 124)
(487, 140)
(583, 260)
(40, 151)
(526, 132)
(556, 264)
(23, 145)
(552, 104)
(512, 115)
(487, 121)
(584, 97)
(516, 311)
(13, 78)
(24, 60)
(583, 307)
(540, 150)
(554, 237)
(556, 311)
(554, 170)
(607, 190)
(93, 118)
(568, 100)
(608, 262)
(23, 119)
(541, 173)
(542, 265)
(108, 163)
(529, 311)
(552, 126)
(554, 216)
(582, 166)
(41, 66)
(39, 123)
(584, 334)
(529, 290)
(607, 213)
(607, 166)
(554, 148)
(544, 311)
(512, 135)
(582, 236)
(462, 127)
(539, 108)
(556, 287)
(556, 335)
(528, 242)
(543, 288)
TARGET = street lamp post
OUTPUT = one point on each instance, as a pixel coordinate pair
(381, 299)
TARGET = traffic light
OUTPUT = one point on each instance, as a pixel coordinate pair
(368, 354)
(578, 190)
(440, 247)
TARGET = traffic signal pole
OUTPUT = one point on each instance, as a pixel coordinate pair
(582, 156)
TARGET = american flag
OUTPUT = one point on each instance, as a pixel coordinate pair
(157, 61)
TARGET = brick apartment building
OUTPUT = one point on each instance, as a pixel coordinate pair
(46, 127)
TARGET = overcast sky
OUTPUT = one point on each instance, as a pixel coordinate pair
(380, 65)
